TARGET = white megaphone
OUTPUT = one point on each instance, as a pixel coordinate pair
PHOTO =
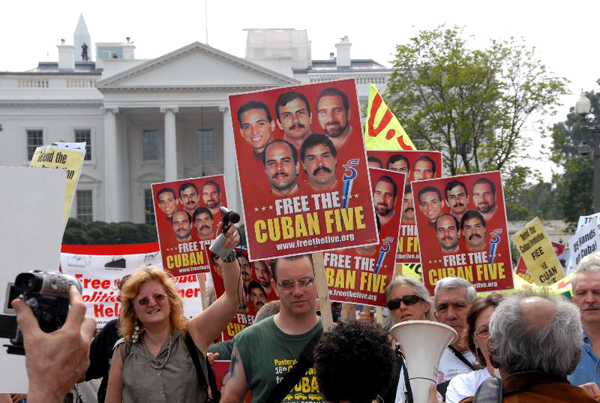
(423, 343)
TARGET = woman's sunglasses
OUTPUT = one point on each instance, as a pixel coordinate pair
(407, 299)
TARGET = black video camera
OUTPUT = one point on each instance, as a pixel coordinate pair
(47, 294)
(229, 218)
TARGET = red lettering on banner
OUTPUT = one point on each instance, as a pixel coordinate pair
(189, 293)
(387, 118)
(110, 311)
(403, 145)
(95, 284)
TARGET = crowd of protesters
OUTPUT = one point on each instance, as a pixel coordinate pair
(526, 347)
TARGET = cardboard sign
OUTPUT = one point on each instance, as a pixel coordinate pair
(100, 275)
(538, 254)
(257, 289)
(585, 241)
(469, 237)
(360, 275)
(303, 170)
(32, 219)
(67, 156)
(187, 214)
(417, 165)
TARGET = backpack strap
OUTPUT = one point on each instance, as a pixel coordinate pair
(305, 361)
(462, 358)
(212, 380)
(490, 391)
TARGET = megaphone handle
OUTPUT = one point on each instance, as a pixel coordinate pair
(409, 394)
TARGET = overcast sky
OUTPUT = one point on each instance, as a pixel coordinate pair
(564, 34)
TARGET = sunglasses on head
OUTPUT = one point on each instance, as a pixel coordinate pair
(407, 299)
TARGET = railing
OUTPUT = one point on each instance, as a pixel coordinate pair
(56, 83)
(33, 83)
(81, 83)
(360, 79)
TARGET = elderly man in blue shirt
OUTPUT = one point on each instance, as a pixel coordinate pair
(586, 295)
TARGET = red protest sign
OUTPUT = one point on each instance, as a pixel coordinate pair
(302, 167)
(461, 222)
(417, 165)
(258, 289)
(187, 214)
(360, 275)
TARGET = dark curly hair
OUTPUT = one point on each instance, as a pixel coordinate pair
(354, 362)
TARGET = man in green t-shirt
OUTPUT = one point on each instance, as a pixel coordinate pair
(266, 351)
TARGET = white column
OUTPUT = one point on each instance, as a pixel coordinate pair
(170, 142)
(232, 182)
(111, 173)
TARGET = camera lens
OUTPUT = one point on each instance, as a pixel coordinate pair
(29, 282)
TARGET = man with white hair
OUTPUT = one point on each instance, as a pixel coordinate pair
(452, 300)
(535, 342)
(586, 295)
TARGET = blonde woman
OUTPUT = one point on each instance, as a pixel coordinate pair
(152, 363)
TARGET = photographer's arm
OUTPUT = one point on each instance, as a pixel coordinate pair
(206, 327)
(55, 361)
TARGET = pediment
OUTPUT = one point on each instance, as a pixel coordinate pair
(88, 179)
(195, 66)
(150, 177)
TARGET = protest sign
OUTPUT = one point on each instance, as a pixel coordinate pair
(100, 268)
(360, 275)
(187, 214)
(67, 156)
(383, 130)
(584, 219)
(538, 254)
(303, 191)
(559, 248)
(258, 289)
(585, 241)
(416, 165)
(469, 229)
(221, 368)
(561, 254)
(32, 219)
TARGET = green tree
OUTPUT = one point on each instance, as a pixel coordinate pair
(102, 233)
(574, 187)
(472, 105)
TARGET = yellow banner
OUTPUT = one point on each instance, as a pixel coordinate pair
(383, 131)
(538, 253)
(67, 156)
(412, 270)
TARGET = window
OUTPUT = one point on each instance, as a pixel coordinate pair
(151, 145)
(82, 136)
(35, 139)
(85, 210)
(206, 145)
(149, 207)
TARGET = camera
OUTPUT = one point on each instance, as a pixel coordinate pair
(47, 294)
(229, 218)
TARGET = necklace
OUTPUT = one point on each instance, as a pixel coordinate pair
(160, 366)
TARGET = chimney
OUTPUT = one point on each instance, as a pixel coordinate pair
(343, 53)
(66, 57)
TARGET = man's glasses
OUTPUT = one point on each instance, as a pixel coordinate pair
(408, 300)
(289, 285)
(156, 297)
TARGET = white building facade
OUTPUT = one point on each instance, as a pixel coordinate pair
(148, 121)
